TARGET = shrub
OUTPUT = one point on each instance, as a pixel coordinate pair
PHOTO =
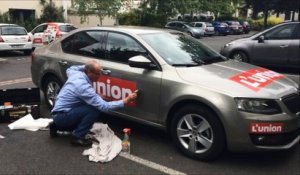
(259, 24)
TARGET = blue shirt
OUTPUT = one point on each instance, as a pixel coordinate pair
(78, 90)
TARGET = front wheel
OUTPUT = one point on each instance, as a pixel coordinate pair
(51, 89)
(239, 56)
(198, 133)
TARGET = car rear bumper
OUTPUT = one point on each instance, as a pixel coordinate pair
(15, 46)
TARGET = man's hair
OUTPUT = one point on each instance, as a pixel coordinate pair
(90, 65)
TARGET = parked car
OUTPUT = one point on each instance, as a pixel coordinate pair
(246, 26)
(206, 102)
(208, 28)
(195, 17)
(185, 27)
(45, 33)
(14, 37)
(274, 47)
(234, 27)
(221, 28)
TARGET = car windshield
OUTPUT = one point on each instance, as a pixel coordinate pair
(66, 28)
(13, 31)
(208, 24)
(181, 50)
(235, 23)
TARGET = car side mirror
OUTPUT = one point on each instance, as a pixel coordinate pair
(141, 62)
(261, 39)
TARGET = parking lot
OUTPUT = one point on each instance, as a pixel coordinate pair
(152, 152)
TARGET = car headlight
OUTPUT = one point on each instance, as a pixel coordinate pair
(229, 44)
(259, 106)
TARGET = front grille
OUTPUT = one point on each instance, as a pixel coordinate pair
(292, 102)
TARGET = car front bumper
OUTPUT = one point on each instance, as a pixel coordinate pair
(264, 132)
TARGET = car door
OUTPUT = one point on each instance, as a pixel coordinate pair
(38, 35)
(118, 79)
(293, 53)
(273, 49)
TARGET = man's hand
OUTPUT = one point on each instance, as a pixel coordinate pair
(131, 97)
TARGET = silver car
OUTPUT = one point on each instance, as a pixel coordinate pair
(207, 27)
(185, 27)
(274, 47)
(206, 102)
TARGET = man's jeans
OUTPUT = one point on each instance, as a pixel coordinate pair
(79, 120)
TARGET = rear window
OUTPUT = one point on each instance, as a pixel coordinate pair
(66, 28)
(209, 25)
(13, 30)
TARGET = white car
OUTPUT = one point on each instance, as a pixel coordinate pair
(14, 37)
(207, 27)
(45, 33)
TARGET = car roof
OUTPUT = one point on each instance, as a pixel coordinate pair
(5, 24)
(57, 23)
(128, 29)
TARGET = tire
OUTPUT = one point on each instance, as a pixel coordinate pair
(190, 34)
(185, 130)
(217, 33)
(240, 56)
(51, 88)
(27, 52)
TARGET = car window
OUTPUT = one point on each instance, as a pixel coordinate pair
(208, 24)
(179, 49)
(66, 28)
(198, 25)
(179, 25)
(13, 31)
(87, 43)
(122, 47)
(296, 33)
(281, 32)
(40, 29)
(171, 24)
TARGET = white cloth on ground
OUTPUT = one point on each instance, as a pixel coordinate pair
(109, 145)
(28, 123)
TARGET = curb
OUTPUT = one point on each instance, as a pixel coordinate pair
(3, 60)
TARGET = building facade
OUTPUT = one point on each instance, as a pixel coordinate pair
(23, 9)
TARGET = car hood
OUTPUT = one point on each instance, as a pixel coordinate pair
(239, 79)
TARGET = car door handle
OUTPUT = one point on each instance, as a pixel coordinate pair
(64, 63)
(105, 71)
(283, 46)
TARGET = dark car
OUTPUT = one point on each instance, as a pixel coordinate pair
(221, 28)
(274, 47)
(246, 26)
(234, 27)
(185, 27)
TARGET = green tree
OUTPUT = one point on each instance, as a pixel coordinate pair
(101, 8)
(220, 8)
(266, 6)
(51, 13)
(284, 6)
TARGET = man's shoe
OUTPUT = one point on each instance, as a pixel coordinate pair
(81, 141)
(53, 130)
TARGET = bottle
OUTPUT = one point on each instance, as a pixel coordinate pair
(126, 141)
